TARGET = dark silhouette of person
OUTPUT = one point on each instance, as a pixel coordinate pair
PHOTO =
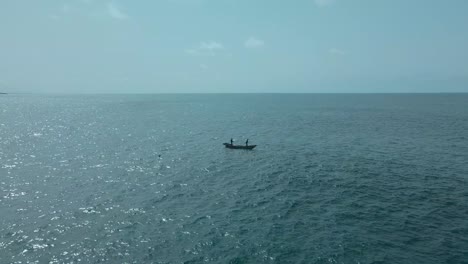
(247, 142)
(232, 141)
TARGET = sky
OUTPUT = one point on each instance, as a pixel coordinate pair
(233, 46)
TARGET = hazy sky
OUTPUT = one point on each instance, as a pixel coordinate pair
(233, 46)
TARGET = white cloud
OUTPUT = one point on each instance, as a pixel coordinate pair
(253, 42)
(192, 52)
(54, 17)
(324, 2)
(211, 46)
(115, 12)
(66, 8)
(206, 48)
(336, 51)
(187, 2)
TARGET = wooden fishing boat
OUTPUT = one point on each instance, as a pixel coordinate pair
(231, 146)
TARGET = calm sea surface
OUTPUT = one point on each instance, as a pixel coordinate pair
(146, 179)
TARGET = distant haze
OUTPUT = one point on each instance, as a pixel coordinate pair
(179, 46)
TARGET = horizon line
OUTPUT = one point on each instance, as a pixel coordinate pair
(214, 93)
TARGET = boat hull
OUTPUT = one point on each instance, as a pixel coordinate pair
(230, 146)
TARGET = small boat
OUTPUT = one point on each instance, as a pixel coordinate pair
(231, 146)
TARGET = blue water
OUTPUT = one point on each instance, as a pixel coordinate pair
(146, 179)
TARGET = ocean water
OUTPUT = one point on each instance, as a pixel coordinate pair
(146, 179)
